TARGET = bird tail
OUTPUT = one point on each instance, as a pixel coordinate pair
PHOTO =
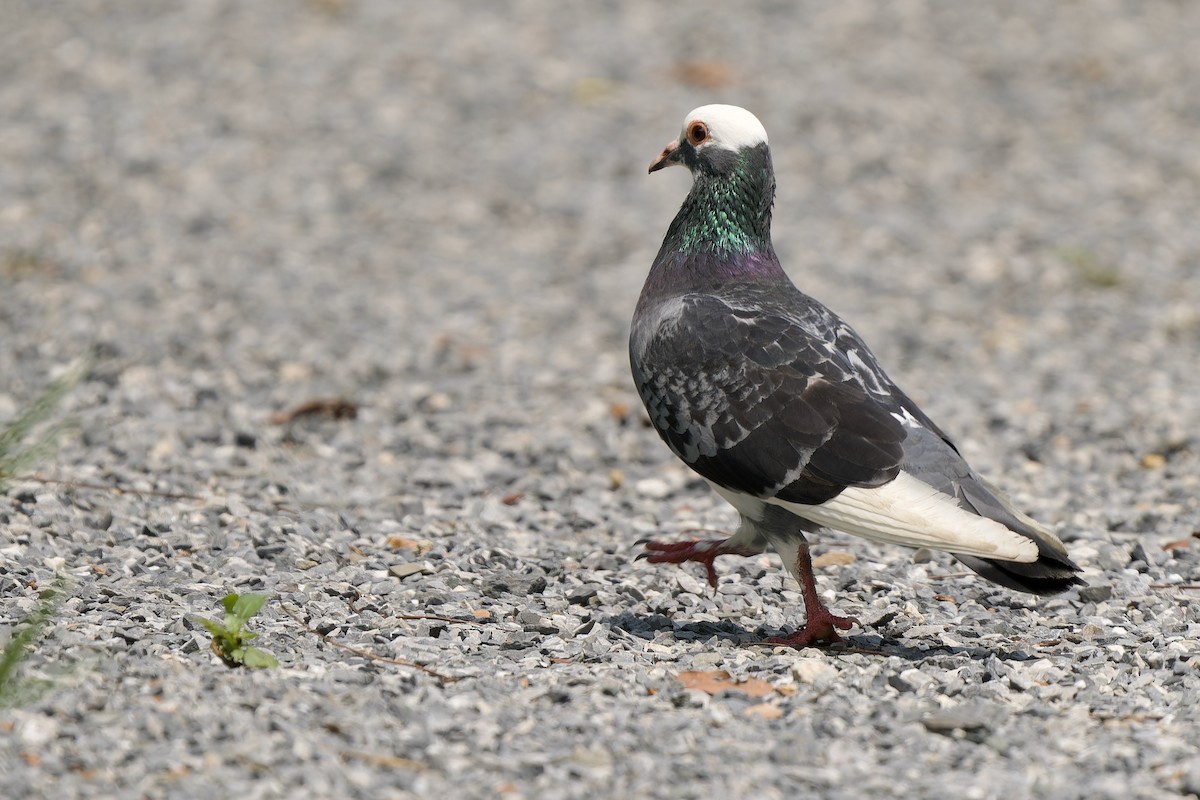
(1044, 576)
(1053, 572)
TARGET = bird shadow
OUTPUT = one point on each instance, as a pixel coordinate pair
(648, 627)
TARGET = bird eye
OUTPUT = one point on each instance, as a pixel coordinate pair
(697, 133)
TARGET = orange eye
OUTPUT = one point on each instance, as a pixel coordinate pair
(697, 133)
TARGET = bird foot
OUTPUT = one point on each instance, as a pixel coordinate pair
(704, 551)
(821, 627)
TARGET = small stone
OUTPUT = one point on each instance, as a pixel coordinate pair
(691, 585)
(36, 730)
(654, 488)
(1112, 558)
(403, 571)
(969, 717)
(591, 756)
(813, 671)
(910, 680)
(1095, 594)
(580, 595)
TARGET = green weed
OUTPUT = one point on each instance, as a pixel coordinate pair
(230, 639)
(1090, 268)
(15, 690)
(16, 455)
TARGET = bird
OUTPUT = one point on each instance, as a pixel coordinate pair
(785, 412)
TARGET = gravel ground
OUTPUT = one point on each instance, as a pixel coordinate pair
(439, 212)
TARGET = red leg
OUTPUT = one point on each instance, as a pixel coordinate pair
(820, 625)
(705, 551)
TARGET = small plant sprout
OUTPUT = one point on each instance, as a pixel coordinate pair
(230, 642)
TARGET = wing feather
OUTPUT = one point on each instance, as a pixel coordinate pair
(765, 404)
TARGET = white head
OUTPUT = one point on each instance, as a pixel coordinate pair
(713, 127)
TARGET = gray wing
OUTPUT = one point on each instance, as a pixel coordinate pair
(769, 396)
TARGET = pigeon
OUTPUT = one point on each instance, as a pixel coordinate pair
(780, 406)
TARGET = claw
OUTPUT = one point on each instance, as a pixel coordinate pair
(704, 551)
(821, 625)
(821, 629)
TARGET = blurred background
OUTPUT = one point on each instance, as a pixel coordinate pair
(245, 204)
(438, 215)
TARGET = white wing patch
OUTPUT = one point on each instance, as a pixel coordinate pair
(912, 513)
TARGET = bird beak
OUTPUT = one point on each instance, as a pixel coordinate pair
(670, 156)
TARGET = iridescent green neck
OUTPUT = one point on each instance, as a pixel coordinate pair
(727, 214)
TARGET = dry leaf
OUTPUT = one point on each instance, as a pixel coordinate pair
(1177, 545)
(704, 74)
(764, 711)
(481, 613)
(833, 558)
(512, 499)
(710, 682)
(754, 687)
(715, 681)
(945, 598)
(1153, 461)
(334, 407)
(398, 542)
(383, 760)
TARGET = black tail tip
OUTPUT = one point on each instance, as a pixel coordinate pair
(1042, 577)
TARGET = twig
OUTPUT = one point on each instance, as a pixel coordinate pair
(946, 575)
(832, 648)
(104, 487)
(1144, 717)
(334, 407)
(366, 653)
(279, 504)
(381, 760)
(438, 619)
(1175, 586)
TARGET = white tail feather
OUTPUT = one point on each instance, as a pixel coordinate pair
(910, 512)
